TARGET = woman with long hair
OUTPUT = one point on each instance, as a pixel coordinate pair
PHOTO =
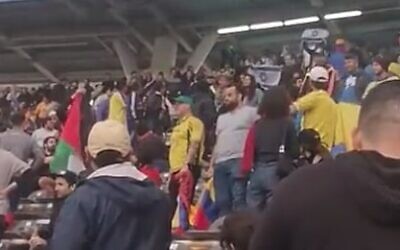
(252, 95)
(265, 139)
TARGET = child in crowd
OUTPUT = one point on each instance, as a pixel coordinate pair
(150, 151)
(311, 147)
(237, 230)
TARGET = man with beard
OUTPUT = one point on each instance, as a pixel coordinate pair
(231, 131)
(351, 202)
(49, 148)
(353, 83)
(48, 130)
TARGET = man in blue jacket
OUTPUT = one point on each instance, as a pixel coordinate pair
(353, 83)
(116, 208)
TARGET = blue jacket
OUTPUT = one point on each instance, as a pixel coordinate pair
(114, 213)
(356, 92)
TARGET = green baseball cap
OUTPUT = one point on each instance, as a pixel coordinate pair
(184, 99)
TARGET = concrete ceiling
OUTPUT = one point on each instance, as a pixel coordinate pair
(42, 40)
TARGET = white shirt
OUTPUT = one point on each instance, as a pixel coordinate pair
(39, 135)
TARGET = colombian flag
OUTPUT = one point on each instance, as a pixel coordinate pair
(181, 217)
(201, 216)
(346, 122)
(206, 211)
(117, 108)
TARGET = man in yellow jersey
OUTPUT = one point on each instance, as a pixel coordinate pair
(318, 108)
(186, 149)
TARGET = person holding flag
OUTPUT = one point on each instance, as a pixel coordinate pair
(68, 154)
(186, 150)
(317, 107)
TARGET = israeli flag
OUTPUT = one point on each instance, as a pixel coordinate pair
(266, 76)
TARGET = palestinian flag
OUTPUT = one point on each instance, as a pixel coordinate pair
(68, 155)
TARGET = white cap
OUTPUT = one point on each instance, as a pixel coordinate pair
(53, 113)
(319, 74)
(109, 135)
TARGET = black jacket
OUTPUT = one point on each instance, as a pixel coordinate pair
(351, 203)
(204, 109)
(57, 205)
(270, 135)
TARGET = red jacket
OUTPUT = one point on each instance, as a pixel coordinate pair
(152, 173)
(248, 155)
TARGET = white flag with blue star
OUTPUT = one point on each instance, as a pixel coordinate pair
(266, 76)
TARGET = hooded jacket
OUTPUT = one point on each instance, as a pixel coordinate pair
(351, 203)
(117, 208)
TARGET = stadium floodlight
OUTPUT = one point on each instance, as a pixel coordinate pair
(304, 20)
(9, 1)
(269, 25)
(235, 29)
(345, 14)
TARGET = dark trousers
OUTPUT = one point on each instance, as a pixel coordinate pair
(2, 226)
(263, 180)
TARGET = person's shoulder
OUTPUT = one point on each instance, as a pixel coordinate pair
(17, 133)
(10, 159)
(392, 78)
(308, 96)
(322, 95)
(246, 108)
(222, 115)
(84, 194)
(37, 131)
(249, 110)
(319, 93)
(6, 155)
(195, 120)
(83, 200)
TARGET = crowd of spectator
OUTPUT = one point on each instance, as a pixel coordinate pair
(222, 126)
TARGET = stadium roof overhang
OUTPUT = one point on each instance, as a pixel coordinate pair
(56, 40)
